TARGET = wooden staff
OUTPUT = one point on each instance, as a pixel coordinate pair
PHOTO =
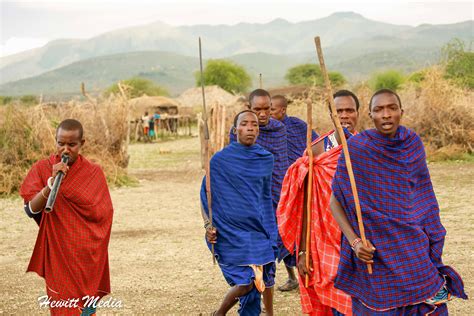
(309, 199)
(206, 149)
(340, 131)
(260, 80)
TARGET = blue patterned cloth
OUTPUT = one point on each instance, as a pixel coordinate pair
(401, 219)
(243, 216)
(296, 129)
(242, 206)
(272, 138)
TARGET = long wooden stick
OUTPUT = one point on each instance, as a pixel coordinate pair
(260, 81)
(340, 131)
(206, 149)
(309, 150)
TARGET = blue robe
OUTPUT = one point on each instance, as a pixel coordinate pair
(243, 216)
(272, 138)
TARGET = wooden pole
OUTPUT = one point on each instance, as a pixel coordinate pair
(309, 199)
(206, 149)
(340, 131)
(260, 81)
(224, 121)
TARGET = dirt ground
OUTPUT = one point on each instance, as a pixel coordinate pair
(158, 259)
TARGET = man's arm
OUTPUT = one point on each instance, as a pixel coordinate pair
(211, 232)
(362, 252)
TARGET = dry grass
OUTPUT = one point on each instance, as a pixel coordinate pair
(438, 111)
(441, 114)
(27, 134)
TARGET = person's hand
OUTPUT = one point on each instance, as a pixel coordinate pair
(366, 254)
(302, 270)
(211, 235)
(61, 166)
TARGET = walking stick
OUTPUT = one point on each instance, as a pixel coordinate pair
(309, 150)
(207, 165)
(340, 131)
(260, 81)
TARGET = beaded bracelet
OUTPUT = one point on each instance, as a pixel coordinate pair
(355, 242)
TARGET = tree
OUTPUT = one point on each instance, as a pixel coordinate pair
(310, 74)
(138, 87)
(226, 74)
(390, 79)
(5, 99)
(29, 99)
(459, 64)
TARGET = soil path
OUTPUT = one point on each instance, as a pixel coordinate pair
(158, 259)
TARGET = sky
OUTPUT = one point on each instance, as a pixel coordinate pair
(29, 24)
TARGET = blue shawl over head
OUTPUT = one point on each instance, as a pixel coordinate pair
(272, 138)
(242, 205)
(401, 219)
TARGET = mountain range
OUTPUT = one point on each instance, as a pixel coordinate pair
(353, 45)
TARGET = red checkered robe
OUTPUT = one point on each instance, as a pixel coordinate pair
(321, 295)
(71, 250)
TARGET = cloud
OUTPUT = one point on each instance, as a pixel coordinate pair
(17, 44)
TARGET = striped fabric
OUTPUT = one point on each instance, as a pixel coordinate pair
(272, 138)
(401, 219)
(321, 296)
(296, 138)
(296, 129)
(242, 206)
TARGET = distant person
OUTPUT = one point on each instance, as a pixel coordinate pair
(296, 140)
(320, 297)
(241, 176)
(146, 124)
(71, 250)
(272, 137)
(151, 126)
(401, 219)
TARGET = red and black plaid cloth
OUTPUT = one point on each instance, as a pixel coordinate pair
(321, 296)
(71, 250)
(401, 219)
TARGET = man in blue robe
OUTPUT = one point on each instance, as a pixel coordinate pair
(401, 220)
(243, 218)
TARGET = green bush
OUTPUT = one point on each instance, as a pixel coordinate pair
(310, 74)
(390, 79)
(226, 74)
(138, 87)
(459, 64)
(4, 100)
(29, 99)
(417, 76)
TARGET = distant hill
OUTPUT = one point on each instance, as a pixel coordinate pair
(354, 45)
(172, 71)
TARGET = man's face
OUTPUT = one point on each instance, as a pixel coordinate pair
(69, 143)
(386, 113)
(347, 112)
(247, 129)
(261, 106)
(278, 109)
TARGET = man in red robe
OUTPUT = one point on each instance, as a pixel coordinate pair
(320, 297)
(71, 250)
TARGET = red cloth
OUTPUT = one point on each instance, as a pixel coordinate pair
(321, 295)
(71, 250)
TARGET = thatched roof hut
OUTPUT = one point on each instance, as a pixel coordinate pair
(214, 94)
(158, 104)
